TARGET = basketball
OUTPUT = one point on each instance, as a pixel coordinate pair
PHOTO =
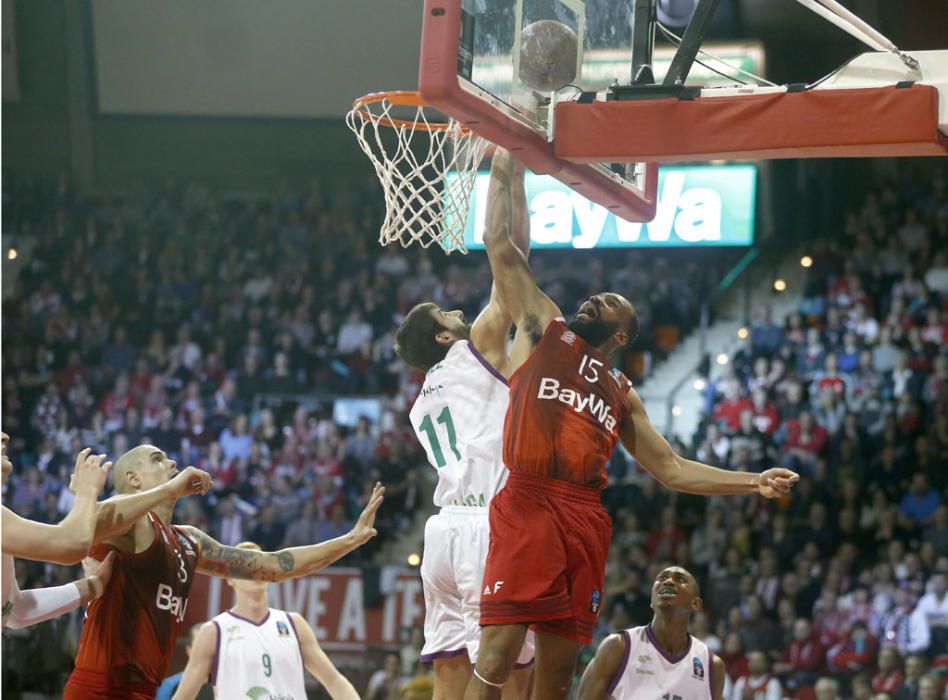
(547, 55)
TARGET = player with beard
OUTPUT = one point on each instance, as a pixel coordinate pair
(549, 534)
(459, 420)
(660, 659)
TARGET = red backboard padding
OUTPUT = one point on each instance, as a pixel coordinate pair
(886, 121)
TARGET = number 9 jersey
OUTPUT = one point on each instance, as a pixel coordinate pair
(459, 418)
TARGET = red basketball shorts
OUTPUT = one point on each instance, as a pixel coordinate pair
(546, 565)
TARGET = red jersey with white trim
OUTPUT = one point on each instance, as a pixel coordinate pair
(566, 405)
(129, 633)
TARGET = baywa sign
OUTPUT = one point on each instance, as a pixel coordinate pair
(697, 206)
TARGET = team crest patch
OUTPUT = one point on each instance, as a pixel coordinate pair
(645, 658)
(186, 543)
(283, 630)
(594, 605)
(698, 667)
(568, 337)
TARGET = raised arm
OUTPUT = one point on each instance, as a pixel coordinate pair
(318, 664)
(602, 669)
(198, 670)
(674, 472)
(68, 541)
(517, 289)
(115, 516)
(215, 559)
(506, 195)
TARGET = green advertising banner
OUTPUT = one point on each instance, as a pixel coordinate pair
(698, 206)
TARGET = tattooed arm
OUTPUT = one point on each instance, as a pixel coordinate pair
(215, 559)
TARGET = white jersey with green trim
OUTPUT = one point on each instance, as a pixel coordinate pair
(261, 661)
(459, 419)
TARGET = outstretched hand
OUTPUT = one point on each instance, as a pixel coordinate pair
(777, 482)
(364, 529)
(90, 473)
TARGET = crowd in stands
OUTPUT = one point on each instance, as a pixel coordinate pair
(840, 591)
(222, 328)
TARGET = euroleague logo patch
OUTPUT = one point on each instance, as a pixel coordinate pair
(698, 667)
(568, 337)
(594, 604)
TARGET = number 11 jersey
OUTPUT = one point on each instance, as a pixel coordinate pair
(459, 419)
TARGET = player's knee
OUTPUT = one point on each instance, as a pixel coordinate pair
(494, 664)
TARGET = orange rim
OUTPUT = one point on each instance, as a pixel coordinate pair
(401, 98)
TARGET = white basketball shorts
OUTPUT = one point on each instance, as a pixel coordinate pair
(452, 573)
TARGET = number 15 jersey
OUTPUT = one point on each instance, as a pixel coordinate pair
(459, 419)
(566, 405)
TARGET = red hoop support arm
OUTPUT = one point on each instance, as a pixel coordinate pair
(439, 87)
(859, 122)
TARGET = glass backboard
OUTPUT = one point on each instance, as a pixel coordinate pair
(487, 37)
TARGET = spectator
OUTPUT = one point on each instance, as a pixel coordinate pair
(855, 652)
(826, 689)
(758, 684)
(920, 503)
(889, 677)
(386, 683)
(802, 659)
(929, 622)
(915, 668)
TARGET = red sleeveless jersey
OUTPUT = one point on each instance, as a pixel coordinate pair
(129, 633)
(566, 405)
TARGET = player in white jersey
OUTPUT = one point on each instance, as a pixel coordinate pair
(660, 661)
(255, 651)
(459, 419)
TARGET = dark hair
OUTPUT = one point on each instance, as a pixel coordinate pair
(415, 338)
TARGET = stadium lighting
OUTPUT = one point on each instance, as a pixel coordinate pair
(11, 254)
(414, 559)
(780, 284)
(806, 261)
(722, 358)
(676, 410)
(743, 332)
(700, 384)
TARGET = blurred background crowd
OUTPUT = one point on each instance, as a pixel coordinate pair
(153, 316)
(847, 578)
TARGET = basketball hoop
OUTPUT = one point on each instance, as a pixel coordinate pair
(413, 154)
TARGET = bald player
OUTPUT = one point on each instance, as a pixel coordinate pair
(67, 542)
(549, 534)
(660, 660)
(130, 632)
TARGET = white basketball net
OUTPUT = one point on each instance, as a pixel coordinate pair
(412, 158)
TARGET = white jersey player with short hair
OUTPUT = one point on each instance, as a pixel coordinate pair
(258, 660)
(459, 419)
(648, 673)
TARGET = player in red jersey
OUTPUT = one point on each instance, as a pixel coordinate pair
(549, 533)
(130, 632)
